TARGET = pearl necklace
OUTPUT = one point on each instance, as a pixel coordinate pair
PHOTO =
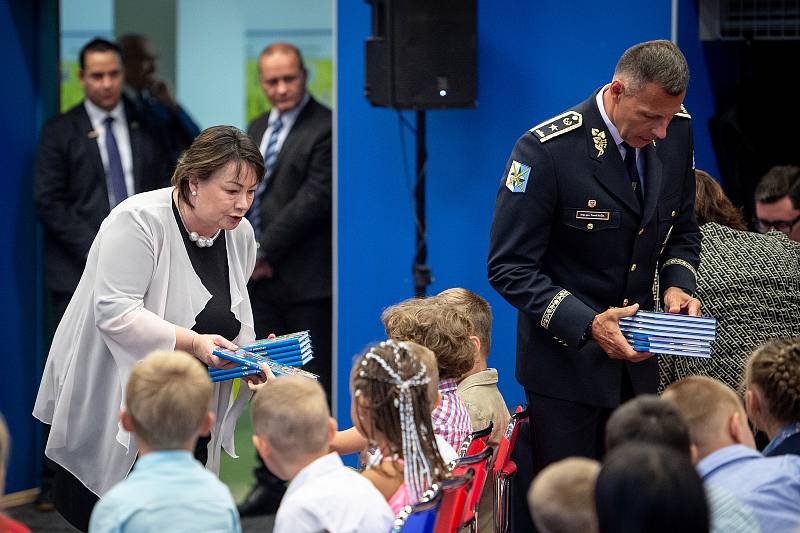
(199, 240)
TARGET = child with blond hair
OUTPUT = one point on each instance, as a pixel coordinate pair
(167, 401)
(292, 431)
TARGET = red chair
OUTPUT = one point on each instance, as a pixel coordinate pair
(476, 441)
(480, 465)
(503, 471)
(455, 492)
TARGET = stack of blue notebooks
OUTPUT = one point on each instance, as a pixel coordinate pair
(283, 354)
(669, 333)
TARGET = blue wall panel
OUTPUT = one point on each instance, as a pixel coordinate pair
(535, 60)
(700, 98)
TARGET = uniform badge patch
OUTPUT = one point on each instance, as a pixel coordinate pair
(518, 176)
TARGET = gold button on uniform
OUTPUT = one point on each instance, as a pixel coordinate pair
(673, 213)
(624, 302)
(633, 267)
(589, 226)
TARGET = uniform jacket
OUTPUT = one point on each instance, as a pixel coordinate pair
(138, 285)
(295, 236)
(70, 188)
(575, 241)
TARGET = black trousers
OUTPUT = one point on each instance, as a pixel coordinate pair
(561, 428)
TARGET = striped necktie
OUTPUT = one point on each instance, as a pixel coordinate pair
(270, 156)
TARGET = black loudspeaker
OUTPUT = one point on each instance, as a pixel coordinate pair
(422, 54)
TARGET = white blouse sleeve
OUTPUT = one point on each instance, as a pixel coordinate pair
(125, 272)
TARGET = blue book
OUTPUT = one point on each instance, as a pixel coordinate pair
(254, 361)
(675, 333)
(664, 340)
(670, 351)
(277, 342)
(239, 374)
(233, 370)
(664, 324)
(269, 352)
(676, 317)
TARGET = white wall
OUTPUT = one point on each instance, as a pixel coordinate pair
(210, 44)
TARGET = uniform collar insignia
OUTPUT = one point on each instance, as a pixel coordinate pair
(600, 141)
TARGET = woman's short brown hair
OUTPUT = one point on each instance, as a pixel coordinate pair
(711, 204)
(214, 148)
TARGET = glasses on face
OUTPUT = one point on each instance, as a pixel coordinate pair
(784, 226)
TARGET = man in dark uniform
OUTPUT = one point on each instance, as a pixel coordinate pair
(592, 203)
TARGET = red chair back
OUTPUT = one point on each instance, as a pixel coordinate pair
(476, 441)
(503, 470)
(508, 440)
(480, 465)
(454, 498)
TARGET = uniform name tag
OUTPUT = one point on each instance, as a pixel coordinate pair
(593, 215)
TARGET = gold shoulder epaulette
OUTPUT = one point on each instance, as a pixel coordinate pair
(683, 113)
(557, 125)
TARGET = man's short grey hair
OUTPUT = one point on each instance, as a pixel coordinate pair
(659, 62)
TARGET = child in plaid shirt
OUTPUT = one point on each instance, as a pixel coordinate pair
(446, 332)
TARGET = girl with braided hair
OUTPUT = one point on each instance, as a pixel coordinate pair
(391, 408)
(773, 394)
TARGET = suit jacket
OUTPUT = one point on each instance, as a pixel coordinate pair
(295, 235)
(569, 239)
(70, 188)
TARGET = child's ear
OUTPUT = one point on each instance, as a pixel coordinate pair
(332, 429)
(477, 343)
(752, 403)
(739, 430)
(125, 419)
(262, 446)
(694, 454)
(208, 423)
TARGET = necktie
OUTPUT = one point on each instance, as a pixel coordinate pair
(115, 177)
(633, 170)
(270, 155)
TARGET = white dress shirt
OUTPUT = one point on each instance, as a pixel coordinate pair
(328, 496)
(612, 129)
(137, 285)
(97, 117)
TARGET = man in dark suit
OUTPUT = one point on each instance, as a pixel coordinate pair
(89, 159)
(591, 202)
(290, 288)
(174, 128)
(79, 165)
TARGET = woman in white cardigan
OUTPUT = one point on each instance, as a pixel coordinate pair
(167, 270)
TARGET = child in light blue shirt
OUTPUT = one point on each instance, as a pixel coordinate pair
(167, 399)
